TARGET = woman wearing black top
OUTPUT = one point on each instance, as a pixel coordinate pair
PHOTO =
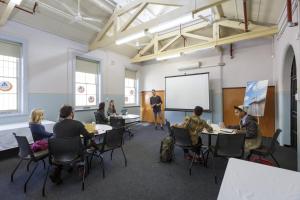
(100, 114)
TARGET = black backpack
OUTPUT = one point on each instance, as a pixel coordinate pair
(166, 149)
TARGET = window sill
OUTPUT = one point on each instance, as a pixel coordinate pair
(131, 106)
(4, 115)
(85, 109)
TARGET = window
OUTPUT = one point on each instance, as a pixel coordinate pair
(86, 83)
(130, 87)
(10, 54)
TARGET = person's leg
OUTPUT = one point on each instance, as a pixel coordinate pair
(161, 119)
(155, 119)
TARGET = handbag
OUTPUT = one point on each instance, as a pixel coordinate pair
(39, 145)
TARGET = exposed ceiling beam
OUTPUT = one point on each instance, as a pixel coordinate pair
(6, 13)
(170, 43)
(215, 3)
(103, 6)
(262, 32)
(199, 37)
(219, 14)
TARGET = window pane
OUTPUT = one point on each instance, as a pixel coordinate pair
(91, 89)
(91, 100)
(90, 78)
(80, 77)
(80, 100)
(80, 88)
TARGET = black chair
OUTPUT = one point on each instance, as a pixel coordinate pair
(228, 146)
(66, 152)
(26, 153)
(113, 139)
(267, 150)
(183, 140)
(119, 122)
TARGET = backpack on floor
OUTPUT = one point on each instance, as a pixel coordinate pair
(166, 149)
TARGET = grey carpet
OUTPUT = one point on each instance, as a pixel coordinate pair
(144, 177)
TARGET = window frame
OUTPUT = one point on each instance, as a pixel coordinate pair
(98, 83)
(22, 92)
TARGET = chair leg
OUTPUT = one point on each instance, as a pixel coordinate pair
(83, 176)
(44, 164)
(214, 170)
(206, 159)
(249, 156)
(191, 165)
(111, 154)
(124, 156)
(14, 171)
(45, 180)
(202, 155)
(275, 160)
(102, 163)
(28, 165)
(25, 185)
(88, 164)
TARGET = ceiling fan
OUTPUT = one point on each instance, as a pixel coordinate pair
(77, 14)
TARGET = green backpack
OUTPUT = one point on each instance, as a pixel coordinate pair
(166, 149)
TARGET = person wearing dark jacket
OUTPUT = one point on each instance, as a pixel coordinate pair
(248, 125)
(67, 127)
(100, 114)
(38, 130)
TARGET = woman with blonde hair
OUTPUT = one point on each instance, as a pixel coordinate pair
(37, 129)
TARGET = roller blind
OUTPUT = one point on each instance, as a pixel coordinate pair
(130, 74)
(10, 49)
(86, 66)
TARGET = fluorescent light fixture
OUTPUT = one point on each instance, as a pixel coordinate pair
(190, 67)
(168, 56)
(195, 50)
(17, 2)
(173, 23)
(130, 38)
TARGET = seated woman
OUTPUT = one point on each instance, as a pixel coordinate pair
(100, 114)
(37, 129)
(248, 125)
(111, 108)
(195, 125)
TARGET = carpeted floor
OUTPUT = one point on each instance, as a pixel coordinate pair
(144, 177)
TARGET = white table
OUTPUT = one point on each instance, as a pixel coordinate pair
(102, 128)
(244, 180)
(7, 140)
(217, 130)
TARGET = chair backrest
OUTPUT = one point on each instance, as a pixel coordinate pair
(272, 146)
(168, 124)
(24, 147)
(117, 122)
(65, 149)
(113, 138)
(230, 145)
(182, 137)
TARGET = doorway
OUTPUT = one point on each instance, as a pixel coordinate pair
(293, 105)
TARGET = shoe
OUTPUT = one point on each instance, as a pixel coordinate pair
(162, 128)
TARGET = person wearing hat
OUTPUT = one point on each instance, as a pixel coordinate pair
(248, 125)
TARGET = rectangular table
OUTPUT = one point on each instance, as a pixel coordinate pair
(7, 140)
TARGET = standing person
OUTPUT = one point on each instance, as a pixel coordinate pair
(111, 108)
(156, 102)
(248, 125)
(67, 127)
(38, 130)
(100, 114)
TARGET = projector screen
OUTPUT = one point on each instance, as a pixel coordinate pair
(187, 91)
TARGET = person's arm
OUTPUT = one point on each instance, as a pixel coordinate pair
(160, 101)
(84, 132)
(45, 133)
(237, 127)
(152, 103)
(251, 129)
(184, 124)
(207, 127)
(40, 130)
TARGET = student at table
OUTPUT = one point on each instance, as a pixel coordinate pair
(38, 130)
(111, 108)
(155, 102)
(67, 127)
(195, 125)
(100, 114)
(248, 125)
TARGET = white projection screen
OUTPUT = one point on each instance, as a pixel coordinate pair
(187, 91)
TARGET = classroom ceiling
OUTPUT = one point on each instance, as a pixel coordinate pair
(66, 19)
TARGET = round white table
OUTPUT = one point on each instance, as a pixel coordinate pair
(102, 128)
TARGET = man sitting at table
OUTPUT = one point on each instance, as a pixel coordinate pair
(67, 127)
(248, 125)
(195, 125)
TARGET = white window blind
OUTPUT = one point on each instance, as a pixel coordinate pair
(130, 87)
(10, 54)
(86, 82)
